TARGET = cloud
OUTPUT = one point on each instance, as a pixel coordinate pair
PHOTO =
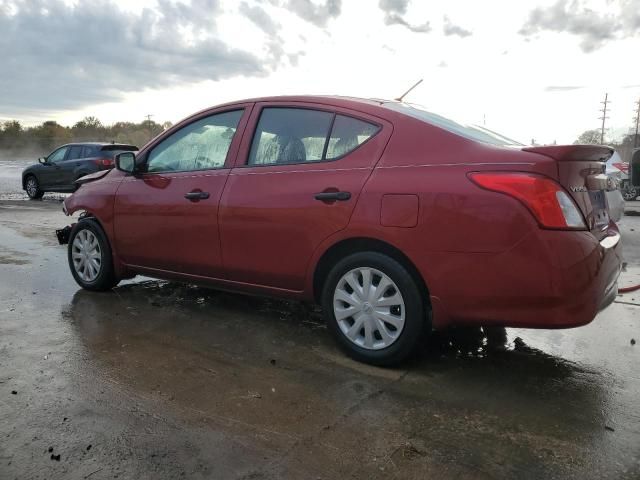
(593, 28)
(318, 14)
(452, 29)
(394, 12)
(260, 18)
(57, 56)
(562, 88)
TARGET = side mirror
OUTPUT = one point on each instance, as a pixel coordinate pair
(43, 160)
(126, 162)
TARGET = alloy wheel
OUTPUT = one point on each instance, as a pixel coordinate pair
(32, 187)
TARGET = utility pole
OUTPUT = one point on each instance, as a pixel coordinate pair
(604, 116)
(635, 137)
(149, 125)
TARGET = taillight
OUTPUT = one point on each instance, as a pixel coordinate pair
(104, 162)
(544, 197)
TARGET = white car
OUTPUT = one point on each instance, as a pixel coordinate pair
(620, 170)
(615, 195)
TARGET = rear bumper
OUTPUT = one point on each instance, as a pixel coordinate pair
(550, 279)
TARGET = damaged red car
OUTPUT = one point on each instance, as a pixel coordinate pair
(396, 220)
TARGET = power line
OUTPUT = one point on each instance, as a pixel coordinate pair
(604, 116)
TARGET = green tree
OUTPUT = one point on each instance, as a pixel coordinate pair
(589, 137)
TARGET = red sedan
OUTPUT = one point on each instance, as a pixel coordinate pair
(396, 220)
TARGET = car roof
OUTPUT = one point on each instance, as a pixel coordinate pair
(366, 105)
(96, 144)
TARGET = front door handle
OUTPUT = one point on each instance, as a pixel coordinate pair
(333, 196)
(195, 196)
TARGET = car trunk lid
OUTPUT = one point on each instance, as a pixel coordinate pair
(581, 171)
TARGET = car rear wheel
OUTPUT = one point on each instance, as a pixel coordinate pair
(33, 188)
(90, 257)
(374, 308)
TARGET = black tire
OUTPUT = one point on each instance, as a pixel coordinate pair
(32, 187)
(416, 322)
(106, 278)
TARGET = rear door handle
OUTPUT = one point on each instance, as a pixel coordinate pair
(333, 196)
(195, 196)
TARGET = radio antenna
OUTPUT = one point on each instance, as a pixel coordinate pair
(399, 99)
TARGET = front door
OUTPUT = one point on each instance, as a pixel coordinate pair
(166, 219)
(51, 172)
(296, 182)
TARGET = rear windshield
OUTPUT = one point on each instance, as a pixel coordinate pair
(113, 153)
(472, 132)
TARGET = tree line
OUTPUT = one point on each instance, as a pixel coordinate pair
(42, 139)
(623, 146)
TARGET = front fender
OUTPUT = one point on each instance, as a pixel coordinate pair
(97, 199)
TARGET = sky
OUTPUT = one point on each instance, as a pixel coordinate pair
(528, 69)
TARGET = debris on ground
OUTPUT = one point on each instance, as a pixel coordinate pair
(633, 341)
(272, 361)
(13, 392)
(611, 429)
(88, 447)
(55, 457)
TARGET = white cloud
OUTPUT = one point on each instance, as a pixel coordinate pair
(548, 88)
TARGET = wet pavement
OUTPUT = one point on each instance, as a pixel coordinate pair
(163, 380)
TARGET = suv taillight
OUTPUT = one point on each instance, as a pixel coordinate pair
(104, 162)
(549, 203)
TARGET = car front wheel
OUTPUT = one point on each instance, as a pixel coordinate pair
(629, 193)
(90, 257)
(374, 308)
(33, 188)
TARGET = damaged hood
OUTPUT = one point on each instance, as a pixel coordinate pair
(92, 176)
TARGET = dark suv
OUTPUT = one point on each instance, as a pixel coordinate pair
(58, 171)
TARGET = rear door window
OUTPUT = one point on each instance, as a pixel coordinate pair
(348, 134)
(75, 152)
(300, 135)
(90, 151)
(290, 135)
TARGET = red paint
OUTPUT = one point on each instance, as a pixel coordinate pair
(482, 255)
(399, 211)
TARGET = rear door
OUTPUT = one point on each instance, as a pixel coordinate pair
(167, 218)
(295, 183)
(70, 165)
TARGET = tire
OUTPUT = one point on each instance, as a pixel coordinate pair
(32, 188)
(385, 344)
(629, 193)
(93, 270)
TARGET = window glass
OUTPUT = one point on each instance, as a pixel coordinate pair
(75, 152)
(347, 135)
(90, 151)
(200, 145)
(58, 155)
(472, 132)
(290, 135)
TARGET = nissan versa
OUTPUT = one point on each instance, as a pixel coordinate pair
(396, 220)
